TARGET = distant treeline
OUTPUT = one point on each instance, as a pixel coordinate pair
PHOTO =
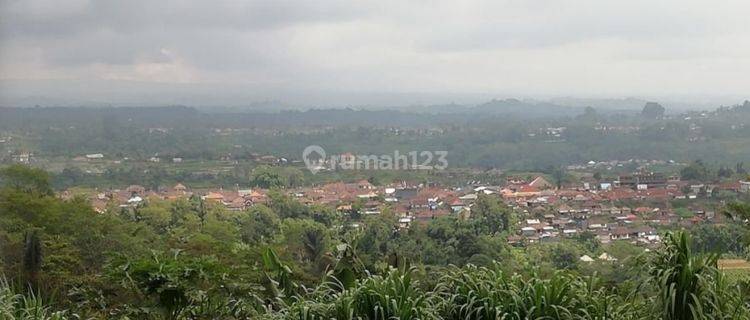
(176, 116)
(497, 134)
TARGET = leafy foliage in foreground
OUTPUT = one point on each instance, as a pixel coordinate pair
(690, 287)
(24, 307)
(680, 286)
(488, 293)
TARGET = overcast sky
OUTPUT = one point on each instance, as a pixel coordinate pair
(235, 52)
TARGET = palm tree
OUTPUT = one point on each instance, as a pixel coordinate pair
(738, 211)
(692, 287)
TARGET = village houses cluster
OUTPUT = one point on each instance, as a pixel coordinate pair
(544, 211)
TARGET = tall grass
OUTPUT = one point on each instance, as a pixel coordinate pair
(680, 286)
(395, 295)
(489, 294)
(14, 306)
(691, 287)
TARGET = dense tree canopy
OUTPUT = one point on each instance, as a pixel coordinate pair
(652, 110)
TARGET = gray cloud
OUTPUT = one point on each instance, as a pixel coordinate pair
(44, 18)
(327, 48)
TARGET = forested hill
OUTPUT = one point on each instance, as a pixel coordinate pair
(177, 115)
(521, 109)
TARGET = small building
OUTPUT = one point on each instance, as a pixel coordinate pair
(181, 188)
(404, 222)
(136, 190)
(540, 183)
(528, 231)
(745, 186)
(135, 200)
(23, 157)
(651, 180)
(606, 257)
(213, 196)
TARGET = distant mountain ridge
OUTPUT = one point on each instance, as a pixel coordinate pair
(518, 108)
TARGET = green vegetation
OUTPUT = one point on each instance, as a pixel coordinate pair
(190, 260)
(653, 110)
(225, 146)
